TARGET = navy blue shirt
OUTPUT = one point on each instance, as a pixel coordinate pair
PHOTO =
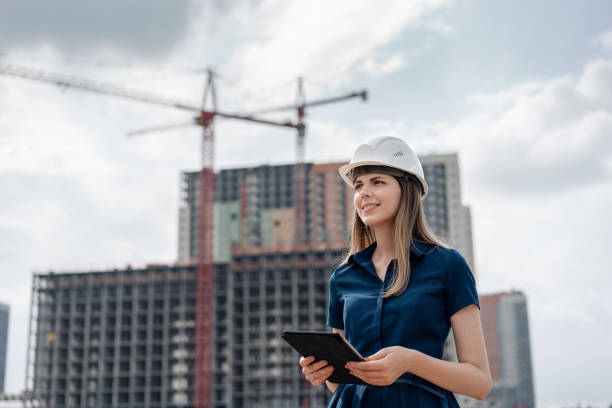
(440, 284)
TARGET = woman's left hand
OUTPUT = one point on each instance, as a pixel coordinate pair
(384, 367)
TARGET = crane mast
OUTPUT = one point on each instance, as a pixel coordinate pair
(205, 277)
(300, 170)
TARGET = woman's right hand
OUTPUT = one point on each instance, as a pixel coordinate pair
(315, 372)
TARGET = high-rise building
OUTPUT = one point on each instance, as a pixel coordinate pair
(444, 208)
(4, 328)
(126, 338)
(120, 338)
(506, 331)
(255, 207)
(448, 216)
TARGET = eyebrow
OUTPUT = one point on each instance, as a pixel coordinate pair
(371, 179)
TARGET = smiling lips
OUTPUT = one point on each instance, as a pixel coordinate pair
(368, 207)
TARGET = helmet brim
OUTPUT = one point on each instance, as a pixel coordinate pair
(345, 172)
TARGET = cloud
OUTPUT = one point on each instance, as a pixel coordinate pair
(535, 165)
(538, 138)
(317, 39)
(390, 65)
(605, 40)
(148, 29)
(536, 171)
(438, 25)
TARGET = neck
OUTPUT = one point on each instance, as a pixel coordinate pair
(384, 242)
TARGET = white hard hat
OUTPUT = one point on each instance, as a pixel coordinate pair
(386, 151)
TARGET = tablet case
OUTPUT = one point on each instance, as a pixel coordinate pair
(328, 346)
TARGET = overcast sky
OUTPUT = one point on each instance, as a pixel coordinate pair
(521, 90)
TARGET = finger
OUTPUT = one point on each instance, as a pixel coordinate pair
(378, 355)
(367, 373)
(322, 363)
(304, 361)
(316, 366)
(325, 373)
(366, 366)
(314, 376)
(361, 373)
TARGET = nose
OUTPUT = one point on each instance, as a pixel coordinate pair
(363, 191)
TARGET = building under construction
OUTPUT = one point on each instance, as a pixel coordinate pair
(127, 338)
(255, 207)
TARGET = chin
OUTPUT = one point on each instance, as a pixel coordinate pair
(373, 221)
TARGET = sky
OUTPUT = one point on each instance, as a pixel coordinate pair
(520, 90)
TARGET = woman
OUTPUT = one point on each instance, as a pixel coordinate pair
(398, 293)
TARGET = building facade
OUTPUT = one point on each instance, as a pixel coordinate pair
(4, 328)
(505, 325)
(126, 338)
(444, 207)
(120, 338)
(271, 291)
(254, 207)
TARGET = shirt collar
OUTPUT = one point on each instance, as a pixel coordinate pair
(417, 248)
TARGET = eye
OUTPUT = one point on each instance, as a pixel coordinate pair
(379, 182)
(357, 187)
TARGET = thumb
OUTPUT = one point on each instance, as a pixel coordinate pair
(380, 354)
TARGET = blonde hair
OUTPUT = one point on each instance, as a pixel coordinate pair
(410, 225)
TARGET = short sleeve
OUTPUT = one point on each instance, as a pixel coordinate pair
(460, 286)
(335, 309)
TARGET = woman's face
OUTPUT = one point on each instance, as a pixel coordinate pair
(377, 198)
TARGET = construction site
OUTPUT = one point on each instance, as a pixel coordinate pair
(129, 337)
(256, 247)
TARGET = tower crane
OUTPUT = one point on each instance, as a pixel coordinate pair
(300, 168)
(206, 112)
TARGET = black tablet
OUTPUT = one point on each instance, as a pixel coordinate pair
(329, 346)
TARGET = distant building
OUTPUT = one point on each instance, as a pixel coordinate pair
(444, 208)
(4, 328)
(254, 207)
(506, 331)
(448, 216)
